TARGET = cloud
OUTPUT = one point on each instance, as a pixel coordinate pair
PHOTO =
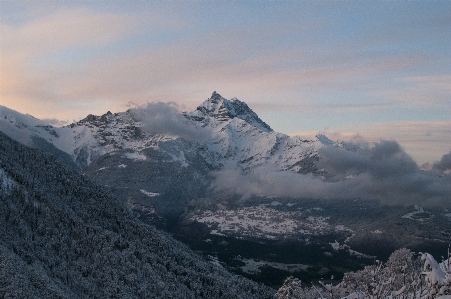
(166, 118)
(426, 90)
(380, 171)
(444, 165)
(74, 59)
(55, 60)
(425, 141)
(267, 180)
(55, 122)
(41, 55)
(64, 29)
(384, 171)
(188, 69)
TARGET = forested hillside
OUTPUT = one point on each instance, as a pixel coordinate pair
(61, 236)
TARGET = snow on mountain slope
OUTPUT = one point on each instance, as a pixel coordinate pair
(95, 136)
(218, 109)
(236, 137)
(22, 127)
(34, 133)
(88, 139)
(240, 138)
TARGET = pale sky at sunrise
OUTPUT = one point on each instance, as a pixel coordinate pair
(379, 69)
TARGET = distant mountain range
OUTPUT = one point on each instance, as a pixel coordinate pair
(228, 133)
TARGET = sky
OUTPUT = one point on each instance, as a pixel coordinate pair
(367, 70)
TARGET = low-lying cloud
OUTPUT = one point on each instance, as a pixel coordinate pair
(380, 171)
(166, 118)
(444, 165)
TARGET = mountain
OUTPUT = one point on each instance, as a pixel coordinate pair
(263, 204)
(236, 136)
(223, 110)
(239, 138)
(34, 133)
(61, 236)
(123, 152)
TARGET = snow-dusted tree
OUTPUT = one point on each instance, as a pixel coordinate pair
(62, 236)
(402, 277)
(437, 276)
(290, 289)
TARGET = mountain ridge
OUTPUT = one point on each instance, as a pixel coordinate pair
(235, 136)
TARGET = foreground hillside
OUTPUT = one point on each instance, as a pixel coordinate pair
(404, 276)
(61, 236)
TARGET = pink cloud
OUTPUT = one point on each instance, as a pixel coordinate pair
(64, 29)
(28, 85)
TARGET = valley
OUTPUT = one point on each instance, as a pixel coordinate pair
(255, 202)
(268, 239)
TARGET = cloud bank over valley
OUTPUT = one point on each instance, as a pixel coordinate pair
(378, 171)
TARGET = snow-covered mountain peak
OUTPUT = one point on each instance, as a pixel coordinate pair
(217, 108)
(226, 133)
(105, 119)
